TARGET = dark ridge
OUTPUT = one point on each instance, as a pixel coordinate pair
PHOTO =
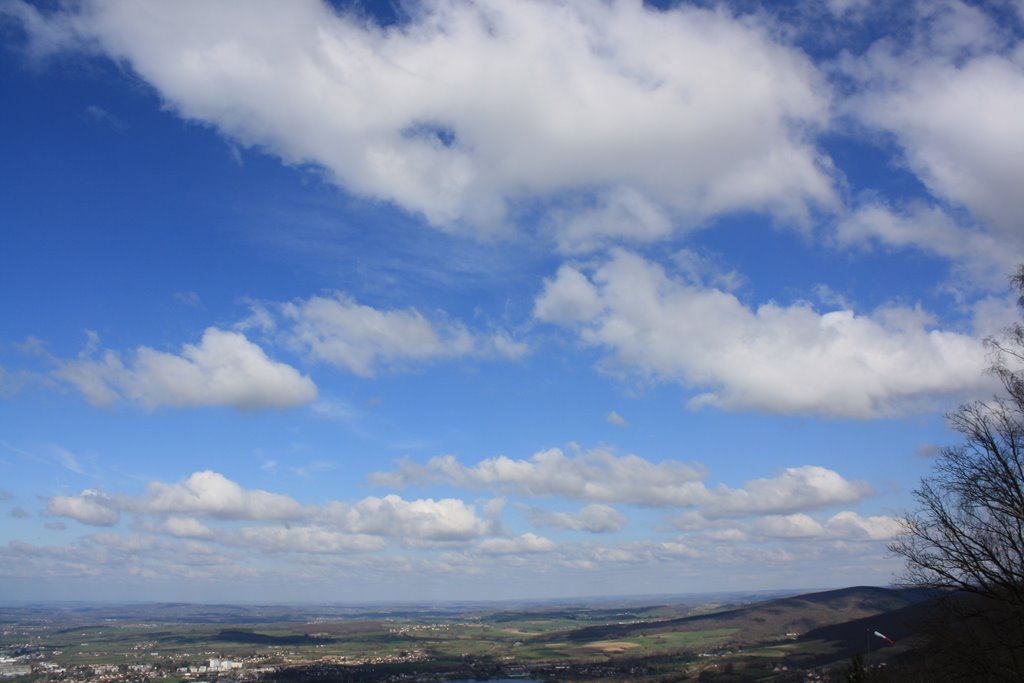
(773, 619)
(253, 638)
(857, 635)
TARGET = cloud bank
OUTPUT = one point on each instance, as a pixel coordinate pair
(178, 508)
(208, 527)
(599, 476)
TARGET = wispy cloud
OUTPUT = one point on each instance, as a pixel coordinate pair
(68, 460)
(616, 419)
(101, 115)
(51, 454)
(189, 298)
(979, 257)
(363, 339)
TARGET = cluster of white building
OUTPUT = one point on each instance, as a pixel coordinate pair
(215, 665)
(11, 667)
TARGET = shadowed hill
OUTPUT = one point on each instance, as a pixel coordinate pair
(771, 620)
(253, 638)
(856, 635)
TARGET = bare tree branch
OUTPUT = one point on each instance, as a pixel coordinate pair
(967, 533)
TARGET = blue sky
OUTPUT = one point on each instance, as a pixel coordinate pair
(453, 300)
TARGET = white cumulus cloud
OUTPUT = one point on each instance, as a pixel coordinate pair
(469, 106)
(951, 97)
(854, 526)
(843, 526)
(776, 359)
(89, 507)
(797, 488)
(448, 519)
(223, 369)
(211, 494)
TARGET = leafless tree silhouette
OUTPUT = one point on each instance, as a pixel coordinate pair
(967, 534)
